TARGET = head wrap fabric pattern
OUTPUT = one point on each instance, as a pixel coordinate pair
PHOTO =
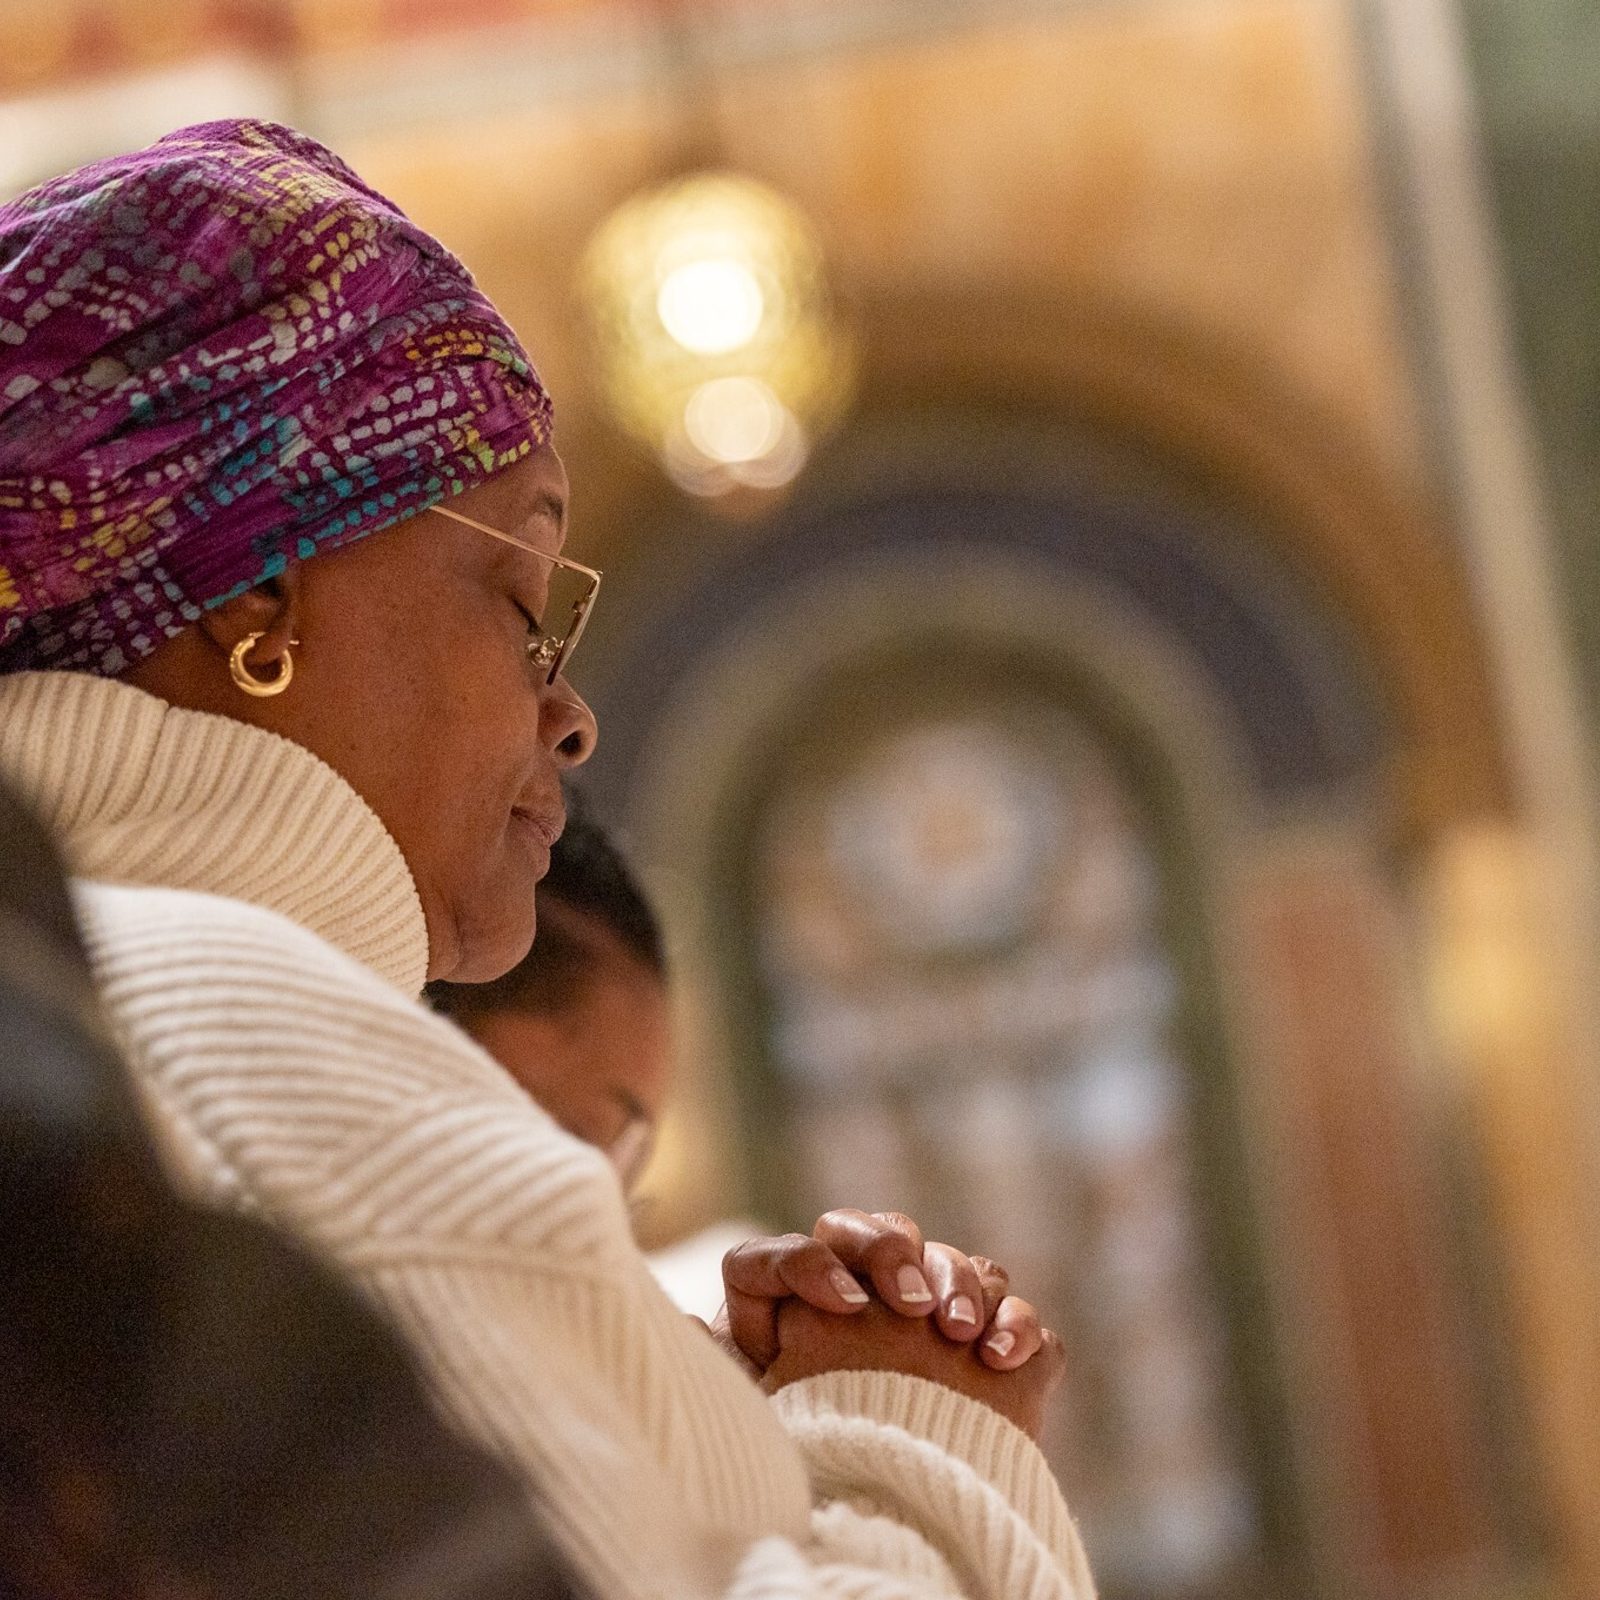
(217, 355)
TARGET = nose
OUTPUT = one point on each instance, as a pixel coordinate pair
(566, 725)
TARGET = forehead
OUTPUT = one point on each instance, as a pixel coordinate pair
(541, 479)
(613, 992)
(527, 500)
(605, 955)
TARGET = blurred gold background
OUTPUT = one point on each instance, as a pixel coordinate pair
(1110, 722)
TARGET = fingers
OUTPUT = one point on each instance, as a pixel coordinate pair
(885, 1249)
(967, 1296)
(1053, 1354)
(1013, 1336)
(760, 1272)
(995, 1281)
(721, 1333)
(958, 1292)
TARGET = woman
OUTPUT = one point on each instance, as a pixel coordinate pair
(302, 769)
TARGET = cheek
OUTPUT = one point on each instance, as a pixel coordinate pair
(538, 1054)
(652, 1050)
(414, 686)
(480, 738)
(627, 1042)
(420, 673)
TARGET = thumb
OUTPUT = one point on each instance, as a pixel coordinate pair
(722, 1335)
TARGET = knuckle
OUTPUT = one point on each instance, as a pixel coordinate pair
(810, 1254)
(990, 1271)
(890, 1250)
(841, 1217)
(1021, 1313)
(900, 1224)
(748, 1258)
(953, 1270)
(897, 1220)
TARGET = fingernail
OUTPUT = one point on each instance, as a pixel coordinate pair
(913, 1286)
(849, 1290)
(961, 1309)
(1001, 1343)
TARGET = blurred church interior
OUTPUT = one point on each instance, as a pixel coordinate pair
(1098, 665)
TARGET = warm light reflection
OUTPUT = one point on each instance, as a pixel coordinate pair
(1488, 983)
(711, 307)
(734, 420)
(717, 342)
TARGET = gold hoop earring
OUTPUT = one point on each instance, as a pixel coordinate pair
(245, 679)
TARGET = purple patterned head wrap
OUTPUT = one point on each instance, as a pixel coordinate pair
(219, 355)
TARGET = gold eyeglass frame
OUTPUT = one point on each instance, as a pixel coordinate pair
(547, 649)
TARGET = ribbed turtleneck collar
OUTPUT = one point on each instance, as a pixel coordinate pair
(141, 792)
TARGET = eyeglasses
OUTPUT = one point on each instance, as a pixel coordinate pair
(572, 594)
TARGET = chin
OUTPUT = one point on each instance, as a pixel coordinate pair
(490, 906)
(491, 947)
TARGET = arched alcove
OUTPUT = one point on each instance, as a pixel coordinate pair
(1009, 387)
(1270, 649)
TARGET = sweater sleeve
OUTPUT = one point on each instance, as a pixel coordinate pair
(909, 1488)
(285, 1077)
(916, 1492)
(885, 1450)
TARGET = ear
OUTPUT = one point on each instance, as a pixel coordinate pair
(271, 609)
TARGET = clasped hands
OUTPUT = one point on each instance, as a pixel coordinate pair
(866, 1292)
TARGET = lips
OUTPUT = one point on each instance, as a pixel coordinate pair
(545, 823)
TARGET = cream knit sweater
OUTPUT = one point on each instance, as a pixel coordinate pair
(259, 944)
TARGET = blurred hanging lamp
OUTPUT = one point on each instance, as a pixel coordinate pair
(717, 342)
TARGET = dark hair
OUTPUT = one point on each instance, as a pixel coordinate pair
(588, 875)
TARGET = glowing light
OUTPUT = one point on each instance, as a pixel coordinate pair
(716, 341)
(711, 307)
(734, 420)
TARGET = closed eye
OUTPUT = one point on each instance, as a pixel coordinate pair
(535, 627)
